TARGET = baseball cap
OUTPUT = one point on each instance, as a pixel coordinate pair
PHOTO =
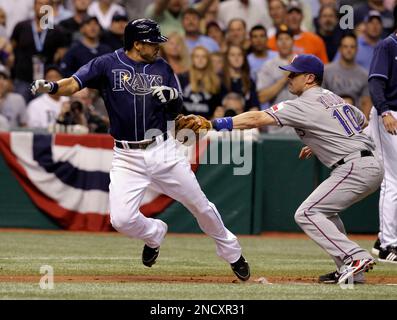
(88, 19)
(373, 14)
(4, 71)
(305, 63)
(120, 17)
(294, 5)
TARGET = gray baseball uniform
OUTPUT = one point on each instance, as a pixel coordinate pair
(333, 130)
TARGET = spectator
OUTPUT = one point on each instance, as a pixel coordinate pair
(12, 105)
(16, 11)
(60, 12)
(328, 29)
(233, 104)
(323, 3)
(345, 74)
(176, 53)
(72, 114)
(193, 36)
(34, 48)
(6, 52)
(201, 85)
(259, 51)
(43, 111)
(114, 37)
(211, 15)
(236, 77)
(168, 13)
(236, 33)
(104, 10)
(370, 38)
(214, 31)
(252, 12)
(362, 11)
(304, 41)
(71, 26)
(272, 82)
(218, 62)
(88, 48)
(278, 13)
(96, 122)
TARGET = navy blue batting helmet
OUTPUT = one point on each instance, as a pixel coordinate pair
(145, 30)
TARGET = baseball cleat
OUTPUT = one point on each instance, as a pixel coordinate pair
(376, 248)
(333, 277)
(149, 255)
(389, 255)
(241, 269)
(355, 267)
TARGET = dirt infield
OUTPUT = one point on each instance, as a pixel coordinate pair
(184, 279)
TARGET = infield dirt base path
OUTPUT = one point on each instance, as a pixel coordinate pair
(184, 279)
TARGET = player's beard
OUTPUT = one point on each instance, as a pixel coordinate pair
(150, 58)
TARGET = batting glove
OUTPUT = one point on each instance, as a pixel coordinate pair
(43, 86)
(165, 94)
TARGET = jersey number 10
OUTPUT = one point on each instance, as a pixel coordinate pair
(348, 120)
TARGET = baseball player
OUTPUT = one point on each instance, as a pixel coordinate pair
(383, 128)
(331, 130)
(141, 93)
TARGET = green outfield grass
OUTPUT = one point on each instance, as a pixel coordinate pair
(84, 254)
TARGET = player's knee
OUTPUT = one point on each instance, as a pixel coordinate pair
(121, 223)
(299, 216)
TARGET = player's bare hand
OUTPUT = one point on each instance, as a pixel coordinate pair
(40, 86)
(390, 124)
(165, 94)
(305, 153)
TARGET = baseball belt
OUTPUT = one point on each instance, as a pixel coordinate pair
(362, 154)
(139, 145)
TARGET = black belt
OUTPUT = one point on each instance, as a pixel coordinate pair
(139, 145)
(363, 153)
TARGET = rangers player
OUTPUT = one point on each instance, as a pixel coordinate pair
(332, 130)
(383, 128)
(141, 93)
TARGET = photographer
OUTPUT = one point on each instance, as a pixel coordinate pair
(72, 118)
(232, 105)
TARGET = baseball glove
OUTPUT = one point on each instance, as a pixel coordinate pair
(197, 125)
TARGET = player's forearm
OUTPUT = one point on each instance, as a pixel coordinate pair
(67, 87)
(252, 119)
(377, 88)
(246, 120)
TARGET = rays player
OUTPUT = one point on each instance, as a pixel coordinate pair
(141, 93)
(383, 128)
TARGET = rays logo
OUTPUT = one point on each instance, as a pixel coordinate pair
(135, 83)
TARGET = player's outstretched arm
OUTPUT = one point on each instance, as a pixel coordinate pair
(247, 120)
(64, 87)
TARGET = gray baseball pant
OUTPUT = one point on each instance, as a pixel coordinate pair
(318, 215)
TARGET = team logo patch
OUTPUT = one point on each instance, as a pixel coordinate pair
(277, 107)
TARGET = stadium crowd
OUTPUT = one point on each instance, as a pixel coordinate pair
(226, 53)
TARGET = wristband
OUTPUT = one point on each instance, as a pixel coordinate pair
(54, 88)
(223, 123)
